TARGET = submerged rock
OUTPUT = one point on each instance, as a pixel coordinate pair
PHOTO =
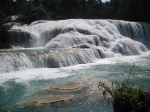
(57, 93)
(69, 86)
(48, 99)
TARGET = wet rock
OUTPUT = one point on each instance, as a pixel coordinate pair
(48, 99)
(81, 46)
(13, 18)
(69, 86)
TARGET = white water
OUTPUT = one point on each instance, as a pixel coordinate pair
(25, 76)
(49, 52)
(104, 38)
(28, 75)
(16, 87)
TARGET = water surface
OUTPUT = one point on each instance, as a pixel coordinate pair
(16, 87)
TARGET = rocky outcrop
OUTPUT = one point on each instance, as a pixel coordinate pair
(4, 35)
(5, 40)
(13, 18)
(56, 93)
(81, 46)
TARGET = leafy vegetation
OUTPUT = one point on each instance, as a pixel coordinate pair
(31, 10)
(126, 97)
(3, 110)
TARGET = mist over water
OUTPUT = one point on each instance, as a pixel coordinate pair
(58, 52)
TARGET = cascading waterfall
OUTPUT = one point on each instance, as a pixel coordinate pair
(70, 42)
(51, 59)
(134, 30)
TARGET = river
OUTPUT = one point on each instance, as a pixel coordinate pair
(48, 54)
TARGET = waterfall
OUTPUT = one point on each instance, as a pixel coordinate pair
(71, 42)
(51, 59)
(134, 30)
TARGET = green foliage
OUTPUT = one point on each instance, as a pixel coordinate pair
(126, 97)
(3, 110)
(134, 10)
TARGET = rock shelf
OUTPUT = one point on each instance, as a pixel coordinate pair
(69, 86)
(43, 100)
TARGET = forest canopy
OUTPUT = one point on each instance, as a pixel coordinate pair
(31, 10)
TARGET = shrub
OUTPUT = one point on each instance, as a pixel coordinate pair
(3, 110)
(126, 97)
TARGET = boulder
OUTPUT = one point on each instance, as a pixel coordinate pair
(13, 18)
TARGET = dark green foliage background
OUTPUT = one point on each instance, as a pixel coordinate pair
(31, 10)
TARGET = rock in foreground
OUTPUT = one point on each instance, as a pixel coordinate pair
(69, 86)
(48, 99)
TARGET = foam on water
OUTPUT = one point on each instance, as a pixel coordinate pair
(33, 74)
(52, 73)
(16, 87)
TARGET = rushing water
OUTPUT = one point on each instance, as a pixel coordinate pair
(59, 52)
(64, 43)
(18, 86)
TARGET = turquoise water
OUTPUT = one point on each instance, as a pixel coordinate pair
(16, 89)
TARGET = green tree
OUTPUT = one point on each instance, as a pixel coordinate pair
(6, 8)
(114, 7)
